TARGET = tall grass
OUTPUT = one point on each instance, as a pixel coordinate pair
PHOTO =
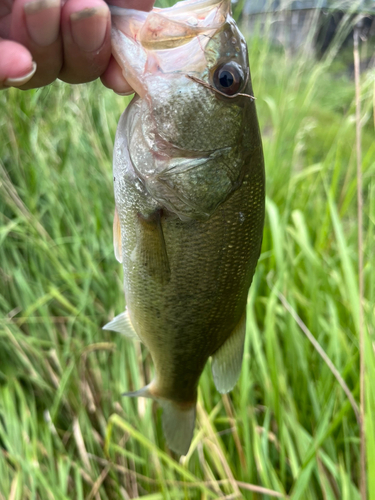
(288, 428)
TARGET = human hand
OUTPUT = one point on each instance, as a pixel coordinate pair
(41, 40)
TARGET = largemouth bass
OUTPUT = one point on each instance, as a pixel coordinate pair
(189, 193)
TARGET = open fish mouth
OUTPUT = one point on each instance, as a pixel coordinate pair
(171, 40)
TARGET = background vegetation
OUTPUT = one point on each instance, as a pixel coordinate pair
(288, 426)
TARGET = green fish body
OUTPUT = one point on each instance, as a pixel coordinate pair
(189, 191)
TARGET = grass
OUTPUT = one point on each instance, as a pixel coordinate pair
(288, 428)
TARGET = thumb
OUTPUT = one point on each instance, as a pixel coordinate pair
(16, 64)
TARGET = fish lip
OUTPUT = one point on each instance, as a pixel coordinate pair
(180, 7)
(191, 5)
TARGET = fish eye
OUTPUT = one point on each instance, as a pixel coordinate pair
(228, 78)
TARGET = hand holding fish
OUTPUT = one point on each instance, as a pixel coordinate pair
(42, 40)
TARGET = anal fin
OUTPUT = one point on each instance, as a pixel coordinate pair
(122, 324)
(227, 360)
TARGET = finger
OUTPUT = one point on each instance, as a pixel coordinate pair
(86, 29)
(16, 64)
(113, 77)
(35, 24)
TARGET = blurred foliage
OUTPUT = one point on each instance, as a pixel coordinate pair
(65, 431)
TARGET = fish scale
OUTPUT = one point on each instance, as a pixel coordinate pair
(189, 191)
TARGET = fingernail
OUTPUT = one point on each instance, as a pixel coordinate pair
(43, 21)
(21, 80)
(125, 93)
(89, 27)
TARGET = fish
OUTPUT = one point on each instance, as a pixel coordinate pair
(189, 188)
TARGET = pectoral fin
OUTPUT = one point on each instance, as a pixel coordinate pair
(151, 251)
(227, 360)
(117, 237)
(122, 324)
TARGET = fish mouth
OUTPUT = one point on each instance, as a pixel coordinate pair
(144, 42)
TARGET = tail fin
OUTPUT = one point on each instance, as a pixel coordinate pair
(178, 425)
(178, 420)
